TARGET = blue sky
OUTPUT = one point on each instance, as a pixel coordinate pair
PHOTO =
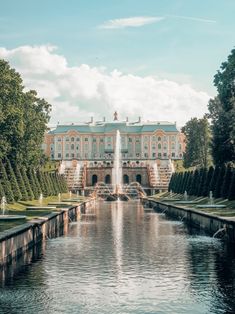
(186, 42)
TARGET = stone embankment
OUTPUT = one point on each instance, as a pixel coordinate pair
(214, 225)
(18, 240)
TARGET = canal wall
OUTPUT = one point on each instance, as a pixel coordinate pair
(18, 240)
(211, 224)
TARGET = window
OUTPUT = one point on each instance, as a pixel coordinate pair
(72, 146)
(146, 155)
(77, 139)
(172, 154)
(94, 140)
(154, 138)
(59, 146)
(67, 139)
(72, 139)
(59, 139)
(109, 139)
(154, 155)
(130, 139)
(77, 147)
(164, 154)
(159, 146)
(67, 155)
(101, 140)
(159, 138)
(59, 155)
(145, 147)
(159, 155)
(72, 155)
(67, 147)
(173, 145)
(154, 147)
(173, 137)
(137, 140)
(86, 139)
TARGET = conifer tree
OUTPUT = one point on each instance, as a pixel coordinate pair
(27, 185)
(219, 181)
(32, 183)
(226, 181)
(1, 191)
(6, 184)
(34, 174)
(12, 179)
(231, 193)
(20, 182)
(194, 183)
(42, 183)
(203, 176)
(214, 179)
(206, 183)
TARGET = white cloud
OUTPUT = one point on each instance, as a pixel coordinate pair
(136, 21)
(78, 92)
(192, 18)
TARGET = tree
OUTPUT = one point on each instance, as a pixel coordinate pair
(206, 183)
(194, 183)
(226, 181)
(214, 179)
(33, 185)
(197, 137)
(12, 179)
(219, 181)
(231, 193)
(202, 179)
(1, 191)
(20, 182)
(23, 119)
(6, 184)
(27, 184)
(222, 113)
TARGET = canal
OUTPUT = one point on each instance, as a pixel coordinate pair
(124, 260)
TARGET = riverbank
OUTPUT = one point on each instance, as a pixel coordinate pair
(18, 240)
(207, 219)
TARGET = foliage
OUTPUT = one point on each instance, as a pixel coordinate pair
(12, 179)
(231, 193)
(197, 137)
(27, 184)
(222, 113)
(23, 119)
(6, 184)
(20, 182)
(207, 181)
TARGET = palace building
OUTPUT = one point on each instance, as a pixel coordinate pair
(147, 150)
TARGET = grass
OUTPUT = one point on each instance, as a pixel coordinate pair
(228, 211)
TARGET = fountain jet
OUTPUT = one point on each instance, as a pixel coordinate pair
(117, 169)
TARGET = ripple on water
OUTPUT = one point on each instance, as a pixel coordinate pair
(125, 261)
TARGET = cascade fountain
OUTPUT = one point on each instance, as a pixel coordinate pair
(3, 215)
(3, 205)
(211, 203)
(185, 195)
(70, 194)
(117, 169)
(156, 172)
(62, 168)
(76, 175)
(59, 197)
(41, 199)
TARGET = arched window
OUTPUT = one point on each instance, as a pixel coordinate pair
(77, 139)
(138, 178)
(72, 146)
(159, 146)
(126, 179)
(107, 179)
(72, 139)
(94, 179)
(159, 138)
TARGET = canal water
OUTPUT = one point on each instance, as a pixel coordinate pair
(124, 260)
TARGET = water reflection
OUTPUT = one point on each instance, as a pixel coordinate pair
(121, 259)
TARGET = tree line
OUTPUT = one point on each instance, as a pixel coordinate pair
(21, 184)
(220, 180)
(23, 122)
(211, 140)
